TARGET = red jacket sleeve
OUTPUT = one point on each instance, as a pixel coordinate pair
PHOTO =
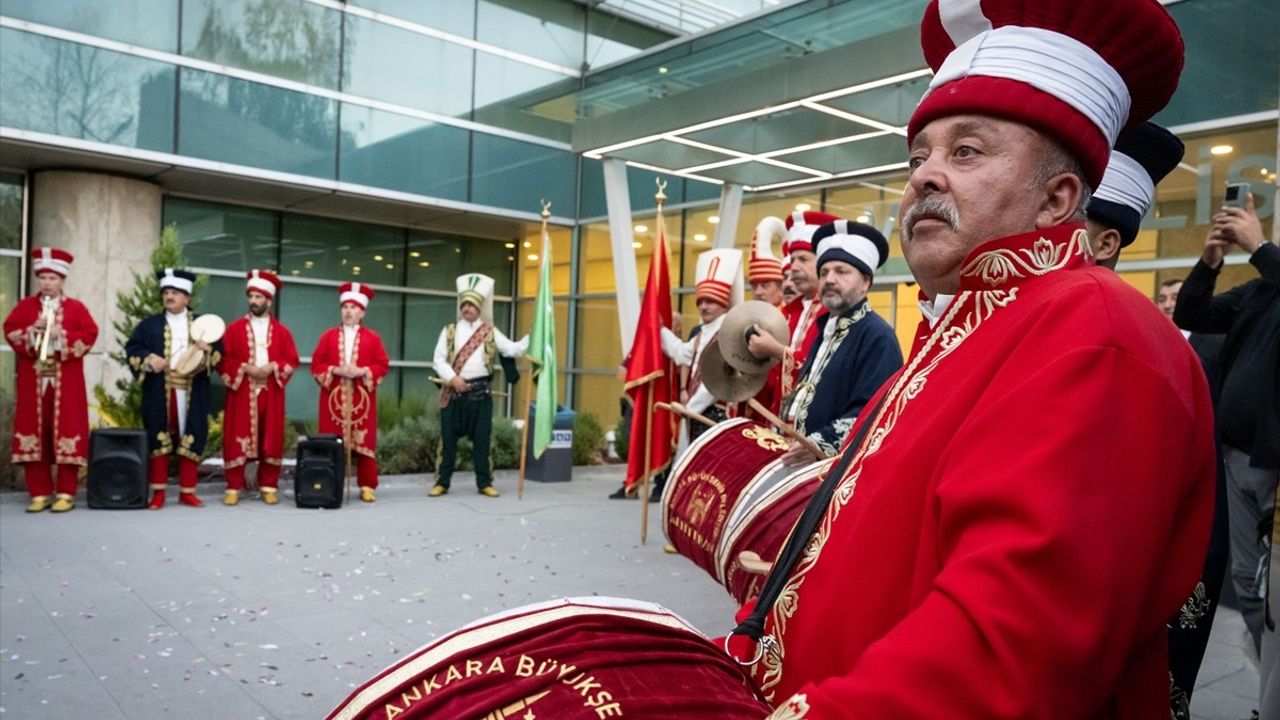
(79, 331)
(374, 356)
(15, 327)
(1075, 510)
(234, 350)
(325, 358)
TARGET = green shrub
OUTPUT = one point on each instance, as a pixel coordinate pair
(588, 440)
(410, 447)
(8, 473)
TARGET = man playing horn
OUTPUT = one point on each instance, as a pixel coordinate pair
(50, 334)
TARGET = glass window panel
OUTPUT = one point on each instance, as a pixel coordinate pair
(640, 187)
(447, 256)
(403, 67)
(601, 395)
(425, 317)
(523, 97)
(309, 310)
(599, 344)
(1227, 73)
(10, 287)
(874, 203)
(225, 237)
(611, 38)
(518, 175)
(384, 149)
(10, 213)
(302, 396)
(549, 30)
(247, 123)
(147, 23)
(222, 296)
(289, 39)
(451, 16)
(321, 248)
(530, 262)
(63, 88)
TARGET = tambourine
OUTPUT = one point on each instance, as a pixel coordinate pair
(207, 329)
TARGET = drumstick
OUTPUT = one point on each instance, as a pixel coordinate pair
(679, 409)
(753, 563)
(786, 429)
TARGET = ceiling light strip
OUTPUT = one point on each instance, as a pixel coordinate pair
(668, 171)
(598, 152)
(871, 85)
(849, 174)
(268, 80)
(431, 32)
(855, 118)
(826, 143)
(745, 157)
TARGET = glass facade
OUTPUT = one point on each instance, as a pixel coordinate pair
(412, 273)
(12, 241)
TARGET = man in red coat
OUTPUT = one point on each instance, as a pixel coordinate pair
(349, 362)
(986, 548)
(258, 359)
(802, 313)
(50, 334)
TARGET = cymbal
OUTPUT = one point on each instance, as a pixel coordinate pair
(734, 329)
(726, 382)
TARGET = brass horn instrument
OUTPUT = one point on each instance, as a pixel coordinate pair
(48, 314)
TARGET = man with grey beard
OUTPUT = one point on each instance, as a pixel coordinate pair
(857, 349)
(973, 552)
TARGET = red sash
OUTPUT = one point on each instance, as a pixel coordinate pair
(473, 343)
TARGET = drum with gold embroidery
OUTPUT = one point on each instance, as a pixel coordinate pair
(707, 481)
(766, 512)
(573, 659)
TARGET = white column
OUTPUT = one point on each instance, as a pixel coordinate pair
(618, 200)
(110, 224)
(730, 209)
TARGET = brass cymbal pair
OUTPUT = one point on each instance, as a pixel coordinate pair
(729, 370)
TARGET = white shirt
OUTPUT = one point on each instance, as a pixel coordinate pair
(475, 366)
(179, 335)
(933, 311)
(797, 335)
(685, 353)
(348, 342)
(260, 326)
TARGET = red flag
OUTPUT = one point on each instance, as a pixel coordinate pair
(650, 375)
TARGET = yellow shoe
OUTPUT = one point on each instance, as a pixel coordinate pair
(63, 503)
(270, 497)
(231, 497)
(670, 549)
(437, 491)
(39, 504)
(366, 494)
(489, 491)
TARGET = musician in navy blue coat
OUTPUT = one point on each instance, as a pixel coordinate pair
(175, 404)
(857, 349)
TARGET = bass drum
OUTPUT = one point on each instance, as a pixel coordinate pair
(706, 482)
(766, 513)
(731, 493)
(572, 659)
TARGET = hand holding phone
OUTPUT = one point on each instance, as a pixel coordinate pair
(1237, 195)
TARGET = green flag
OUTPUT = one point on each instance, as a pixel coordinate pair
(542, 350)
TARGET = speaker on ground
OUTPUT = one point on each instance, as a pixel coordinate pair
(117, 469)
(318, 476)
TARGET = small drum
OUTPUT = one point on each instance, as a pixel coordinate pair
(572, 659)
(207, 329)
(728, 493)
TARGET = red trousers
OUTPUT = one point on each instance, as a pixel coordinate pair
(39, 475)
(366, 470)
(268, 473)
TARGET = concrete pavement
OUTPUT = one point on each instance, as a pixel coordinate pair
(276, 612)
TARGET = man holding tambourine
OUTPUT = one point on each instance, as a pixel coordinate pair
(174, 352)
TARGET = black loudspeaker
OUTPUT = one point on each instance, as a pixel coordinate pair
(117, 469)
(318, 477)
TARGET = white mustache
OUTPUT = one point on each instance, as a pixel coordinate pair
(933, 206)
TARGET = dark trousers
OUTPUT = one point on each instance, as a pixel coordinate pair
(472, 417)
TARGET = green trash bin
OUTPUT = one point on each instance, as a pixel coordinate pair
(556, 463)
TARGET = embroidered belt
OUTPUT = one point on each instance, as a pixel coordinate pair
(477, 389)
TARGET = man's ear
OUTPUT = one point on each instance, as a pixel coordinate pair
(1105, 243)
(1061, 204)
